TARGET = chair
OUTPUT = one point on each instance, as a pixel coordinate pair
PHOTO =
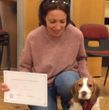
(4, 44)
(99, 34)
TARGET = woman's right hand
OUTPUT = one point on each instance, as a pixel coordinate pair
(3, 87)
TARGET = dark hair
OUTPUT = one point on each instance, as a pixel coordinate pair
(47, 5)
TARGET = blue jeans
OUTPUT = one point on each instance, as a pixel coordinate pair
(61, 87)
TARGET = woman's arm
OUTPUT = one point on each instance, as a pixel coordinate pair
(26, 58)
(83, 69)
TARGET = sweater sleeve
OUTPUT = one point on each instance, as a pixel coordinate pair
(26, 62)
(82, 64)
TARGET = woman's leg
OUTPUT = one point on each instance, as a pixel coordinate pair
(52, 101)
(63, 83)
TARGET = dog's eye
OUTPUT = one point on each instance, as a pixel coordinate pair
(90, 85)
(80, 85)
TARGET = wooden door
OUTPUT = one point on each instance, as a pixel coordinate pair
(30, 15)
(88, 11)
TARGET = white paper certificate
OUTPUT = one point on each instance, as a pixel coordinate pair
(26, 88)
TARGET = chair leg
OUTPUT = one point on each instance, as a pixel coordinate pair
(106, 76)
(1, 54)
(8, 56)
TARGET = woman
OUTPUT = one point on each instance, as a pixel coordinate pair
(56, 48)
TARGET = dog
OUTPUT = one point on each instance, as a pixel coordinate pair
(85, 95)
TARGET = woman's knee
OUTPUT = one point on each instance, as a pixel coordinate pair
(66, 78)
(64, 81)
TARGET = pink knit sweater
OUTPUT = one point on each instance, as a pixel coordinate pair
(51, 55)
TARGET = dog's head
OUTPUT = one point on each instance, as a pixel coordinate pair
(85, 89)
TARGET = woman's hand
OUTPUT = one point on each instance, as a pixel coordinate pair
(3, 87)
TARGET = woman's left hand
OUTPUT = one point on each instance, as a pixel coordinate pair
(3, 87)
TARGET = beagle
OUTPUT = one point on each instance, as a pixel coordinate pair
(85, 95)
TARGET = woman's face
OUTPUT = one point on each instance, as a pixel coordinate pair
(56, 22)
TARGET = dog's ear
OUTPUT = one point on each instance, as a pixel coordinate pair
(74, 92)
(95, 93)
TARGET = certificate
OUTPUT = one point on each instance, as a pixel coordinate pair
(26, 88)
